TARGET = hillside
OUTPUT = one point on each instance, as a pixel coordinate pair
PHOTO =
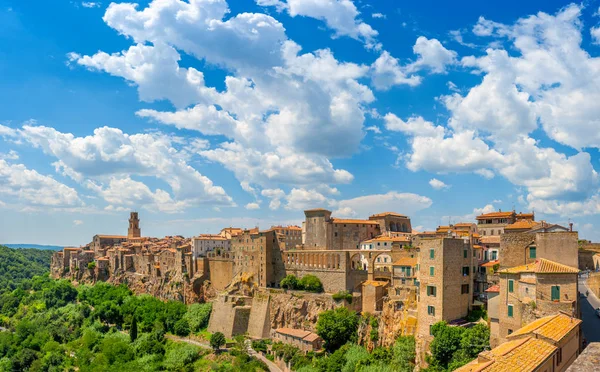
(17, 265)
(35, 246)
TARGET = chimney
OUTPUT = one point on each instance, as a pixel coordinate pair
(571, 226)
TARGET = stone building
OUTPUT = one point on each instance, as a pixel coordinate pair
(381, 242)
(493, 302)
(494, 223)
(373, 292)
(521, 248)
(209, 243)
(537, 289)
(304, 340)
(550, 344)
(392, 224)
(445, 281)
(134, 230)
(322, 232)
(230, 232)
(292, 234)
(100, 243)
(259, 253)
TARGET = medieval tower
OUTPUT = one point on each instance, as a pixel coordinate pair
(134, 230)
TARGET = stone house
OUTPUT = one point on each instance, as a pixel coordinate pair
(523, 248)
(292, 234)
(549, 344)
(445, 282)
(259, 253)
(303, 340)
(209, 243)
(493, 304)
(373, 293)
(322, 232)
(102, 242)
(392, 224)
(534, 290)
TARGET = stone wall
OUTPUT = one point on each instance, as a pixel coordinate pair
(230, 315)
(593, 283)
(513, 249)
(316, 226)
(259, 325)
(221, 272)
(561, 247)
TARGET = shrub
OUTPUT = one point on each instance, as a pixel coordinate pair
(311, 283)
(182, 328)
(289, 282)
(337, 327)
(92, 265)
(197, 316)
(217, 340)
(342, 295)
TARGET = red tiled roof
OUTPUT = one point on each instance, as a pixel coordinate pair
(494, 289)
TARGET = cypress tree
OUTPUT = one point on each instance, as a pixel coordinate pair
(133, 332)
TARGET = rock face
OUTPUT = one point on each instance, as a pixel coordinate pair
(299, 310)
(383, 328)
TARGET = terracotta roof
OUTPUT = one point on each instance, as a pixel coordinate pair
(293, 332)
(375, 283)
(528, 280)
(495, 215)
(541, 266)
(340, 220)
(382, 238)
(490, 263)
(476, 246)
(553, 327)
(521, 224)
(311, 337)
(494, 289)
(112, 236)
(316, 210)
(210, 237)
(490, 240)
(524, 355)
(464, 224)
(71, 249)
(384, 214)
(406, 261)
(525, 215)
(291, 227)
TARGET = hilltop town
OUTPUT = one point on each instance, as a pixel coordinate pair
(523, 272)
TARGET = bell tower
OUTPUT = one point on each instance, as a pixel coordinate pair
(134, 230)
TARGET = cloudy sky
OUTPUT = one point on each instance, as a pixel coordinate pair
(202, 114)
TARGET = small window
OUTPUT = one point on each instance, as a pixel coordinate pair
(510, 331)
(465, 271)
(432, 254)
(511, 286)
(555, 293)
(431, 291)
(431, 310)
(464, 289)
(431, 271)
(465, 253)
(335, 234)
(510, 311)
(532, 252)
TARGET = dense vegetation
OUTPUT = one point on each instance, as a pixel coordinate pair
(49, 325)
(19, 264)
(309, 283)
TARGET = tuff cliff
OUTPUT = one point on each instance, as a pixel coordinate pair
(383, 328)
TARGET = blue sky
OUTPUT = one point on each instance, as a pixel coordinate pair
(205, 114)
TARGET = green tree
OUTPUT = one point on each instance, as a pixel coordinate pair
(217, 340)
(403, 354)
(446, 342)
(182, 328)
(337, 327)
(133, 331)
(289, 282)
(475, 340)
(311, 283)
(197, 316)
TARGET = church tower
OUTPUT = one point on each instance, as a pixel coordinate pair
(134, 230)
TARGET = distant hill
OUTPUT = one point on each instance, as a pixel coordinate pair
(35, 246)
(17, 265)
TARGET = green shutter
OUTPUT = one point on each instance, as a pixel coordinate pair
(532, 252)
(431, 254)
(511, 284)
(510, 310)
(555, 293)
(465, 253)
(431, 271)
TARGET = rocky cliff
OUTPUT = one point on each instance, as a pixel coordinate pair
(299, 309)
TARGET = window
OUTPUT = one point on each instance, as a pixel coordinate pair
(559, 357)
(555, 293)
(465, 271)
(484, 232)
(511, 286)
(492, 232)
(494, 255)
(431, 311)
(464, 289)
(510, 331)
(430, 328)
(431, 291)
(465, 253)
(432, 254)
(431, 271)
(532, 252)
(510, 311)
(335, 234)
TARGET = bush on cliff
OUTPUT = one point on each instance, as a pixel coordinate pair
(289, 282)
(217, 340)
(342, 295)
(311, 283)
(198, 315)
(337, 327)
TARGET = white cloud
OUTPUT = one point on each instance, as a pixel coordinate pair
(405, 203)
(595, 32)
(437, 184)
(301, 199)
(275, 195)
(90, 4)
(109, 157)
(11, 155)
(415, 125)
(378, 15)
(375, 129)
(432, 55)
(339, 15)
(7, 131)
(386, 72)
(77, 222)
(30, 188)
(252, 206)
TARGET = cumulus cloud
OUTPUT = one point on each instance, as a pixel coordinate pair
(387, 72)
(437, 184)
(406, 203)
(105, 160)
(90, 4)
(339, 15)
(77, 222)
(432, 55)
(252, 206)
(27, 187)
